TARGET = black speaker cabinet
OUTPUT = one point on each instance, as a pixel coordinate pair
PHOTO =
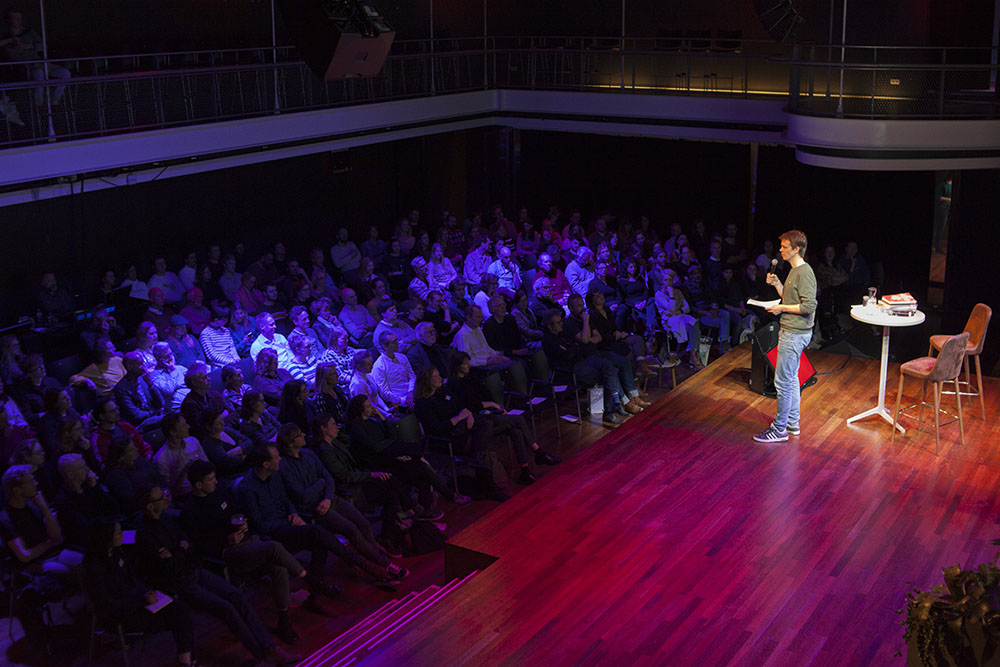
(763, 357)
(338, 39)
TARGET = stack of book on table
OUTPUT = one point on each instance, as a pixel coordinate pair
(898, 304)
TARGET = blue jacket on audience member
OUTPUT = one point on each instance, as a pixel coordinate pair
(265, 502)
(307, 481)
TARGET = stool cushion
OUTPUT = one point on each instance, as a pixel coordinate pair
(938, 340)
(919, 368)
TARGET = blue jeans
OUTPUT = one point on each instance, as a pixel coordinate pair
(786, 376)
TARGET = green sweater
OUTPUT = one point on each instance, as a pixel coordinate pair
(800, 288)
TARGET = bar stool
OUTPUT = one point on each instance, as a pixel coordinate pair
(979, 320)
(946, 367)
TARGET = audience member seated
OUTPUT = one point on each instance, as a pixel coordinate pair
(345, 256)
(127, 475)
(376, 487)
(46, 472)
(196, 314)
(299, 315)
(168, 378)
(261, 495)
(248, 297)
(391, 322)
(256, 423)
(243, 329)
(230, 281)
(233, 388)
(217, 340)
(477, 263)
(576, 322)
(437, 313)
(11, 358)
(501, 332)
(470, 339)
(71, 438)
(177, 453)
(109, 426)
(325, 321)
(137, 288)
(356, 319)
(58, 406)
(507, 271)
(118, 596)
(427, 352)
(158, 312)
(33, 536)
(444, 417)
(559, 287)
(168, 562)
(340, 354)
(53, 301)
(440, 270)
(469, 393)
(200, 398)
(393, 374)
(395, 268)
(269, 339)
(106, 370)
(101, 325)
(572, 353)
(526, 320)
(211, 519)
(145, 338)
(185, 347)
(269, 378)
(167, 282)
(303, 363)
(312, 491)
(11, 409)
(81, 499)
(295, 407)
(580, 272)
(221, 448)
(418, 286)
(488, 287)
(676, 319)
(612, 338)
(328, 396)
(138, 402)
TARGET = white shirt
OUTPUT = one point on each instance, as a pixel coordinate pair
(473, 343)
(579, 277)
(140, 290)
(172, 464)
(476, 264)
(173, 289)
(363, 385)
(508, 276)
(279, 344)
(394, 378)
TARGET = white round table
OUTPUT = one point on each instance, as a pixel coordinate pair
(883, 319)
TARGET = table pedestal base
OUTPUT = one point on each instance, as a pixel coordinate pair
(880, 411)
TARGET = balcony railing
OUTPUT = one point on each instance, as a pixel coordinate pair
(894, 82)
(127, 93)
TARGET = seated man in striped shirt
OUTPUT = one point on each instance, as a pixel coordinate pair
(217, 340)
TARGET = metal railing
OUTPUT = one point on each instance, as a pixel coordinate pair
(893, 82)
(126, 93)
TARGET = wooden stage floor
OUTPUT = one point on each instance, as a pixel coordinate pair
(677, 540)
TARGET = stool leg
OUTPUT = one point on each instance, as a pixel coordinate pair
(961, 426)
(937, 418)
(923, 399)
(895, 415)
(979, 380)
(965, 362)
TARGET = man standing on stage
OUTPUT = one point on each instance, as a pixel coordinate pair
(797, 309)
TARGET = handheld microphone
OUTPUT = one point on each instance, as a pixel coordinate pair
(774, 264)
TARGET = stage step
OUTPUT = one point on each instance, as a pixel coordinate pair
(367, 634)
